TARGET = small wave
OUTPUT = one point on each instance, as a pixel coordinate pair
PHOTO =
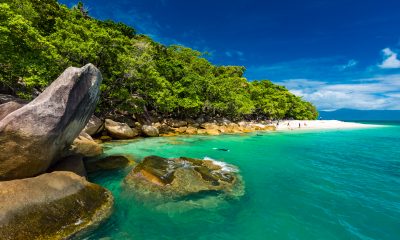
(225, 167)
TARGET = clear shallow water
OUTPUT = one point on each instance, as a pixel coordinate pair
(299, 185)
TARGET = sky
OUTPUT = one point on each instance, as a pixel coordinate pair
(334, 53)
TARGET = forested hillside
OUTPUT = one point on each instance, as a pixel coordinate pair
(40, 38)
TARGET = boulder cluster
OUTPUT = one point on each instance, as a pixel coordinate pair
(48, 145)
(43, 190)
(114, 130)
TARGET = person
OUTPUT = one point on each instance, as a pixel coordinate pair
(299, 125)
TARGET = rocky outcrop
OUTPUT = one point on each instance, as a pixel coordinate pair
(84, 145)
(8, 108)
(94, 126)
(120, 130)
(51, 206)
(157, 177)
(150, 131)
(33, 137)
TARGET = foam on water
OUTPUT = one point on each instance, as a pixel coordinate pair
(225, 167)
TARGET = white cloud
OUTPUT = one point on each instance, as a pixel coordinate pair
(390, 59)
(382, 92)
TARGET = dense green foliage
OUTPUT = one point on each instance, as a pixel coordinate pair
(40, 38)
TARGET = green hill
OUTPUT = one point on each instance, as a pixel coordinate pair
(40, 38)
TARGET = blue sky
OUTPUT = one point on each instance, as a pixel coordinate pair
(335, 53)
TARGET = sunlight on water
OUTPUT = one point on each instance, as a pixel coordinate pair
(299, 185)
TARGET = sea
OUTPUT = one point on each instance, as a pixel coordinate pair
(299, 185)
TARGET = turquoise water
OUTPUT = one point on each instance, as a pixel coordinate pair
(299, 185)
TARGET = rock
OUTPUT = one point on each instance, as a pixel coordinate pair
(150, 131)
(212, 132)
(209, 126)
(84, 145)
(94, 126)
(157, 177)
(34, 137)
(164, 129)
(180, 130)
(4, 98)
(270, 128)
(9, 107)
(109, 163)
(70, 164)
(177, 123)
(120, 130)
(105, 138)
(191, 130)
(201, 131)
(54, 205)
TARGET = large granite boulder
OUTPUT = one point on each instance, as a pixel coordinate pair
(157, 177)
(51, 206)
(33, 137)
(120, 130)
(150, 131)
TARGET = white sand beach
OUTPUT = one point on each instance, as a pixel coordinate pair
(320, 124)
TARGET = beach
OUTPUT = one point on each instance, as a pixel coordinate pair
(319, 124)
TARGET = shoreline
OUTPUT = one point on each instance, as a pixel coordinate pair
(216, 129)
(288, 125)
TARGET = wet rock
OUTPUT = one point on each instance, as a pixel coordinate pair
(179, 177)
(120, 130)
(109, 163)
(55, 205)
(150, 131)
(35, 136)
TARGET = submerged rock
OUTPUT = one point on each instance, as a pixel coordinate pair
(51, 206)
(120, 130)
(157, 177)
(33, 137)
(109, 163)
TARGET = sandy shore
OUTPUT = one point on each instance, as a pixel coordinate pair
(319, 124)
